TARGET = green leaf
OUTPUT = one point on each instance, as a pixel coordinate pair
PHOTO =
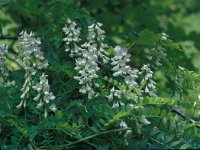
(148, 38)
(171, 44)
(6, 114)
(30, 147)
(185, 146)
(175, 143)
(5, 1)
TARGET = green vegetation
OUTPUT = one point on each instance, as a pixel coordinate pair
(136, 86)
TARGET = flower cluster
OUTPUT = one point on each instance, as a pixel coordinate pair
(121, 68)
(96, 37)
(161, 54)
(87, 67)
(120, 60)
(72, 32)
(88, 54)
(150, 87)
(4, 73)
(159, 51)
(31, 60)
(92, 52)
(25, 90)
(114, 92)
(44, 96)
(3, 70)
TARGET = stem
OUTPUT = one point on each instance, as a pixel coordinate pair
(158, 142)
(132, 44)
(40, 119)
(89, 137)
(25, 113)
(184, 116)
(7, 38)
(8, 105)
(97, 134)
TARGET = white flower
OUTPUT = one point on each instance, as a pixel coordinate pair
(19, 105)
(39, 105)
(44, 95)
(115, 105)
(53, 107)
(3, 69)
(72, 32)
(130, 81)
(25, 89)
(32, 56)
(150, 87)
(115, 92)
(32, 59)
(164, 36)
(97, 35)
(121, 68)
(120, 60)
(199, 96)
(87, 54)
(37, 87)
(123, 124)
(91, 53)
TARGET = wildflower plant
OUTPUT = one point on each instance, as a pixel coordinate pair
(121, 68)
(103, 94)
(44, 97)
(31, 61)
(88, 54)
